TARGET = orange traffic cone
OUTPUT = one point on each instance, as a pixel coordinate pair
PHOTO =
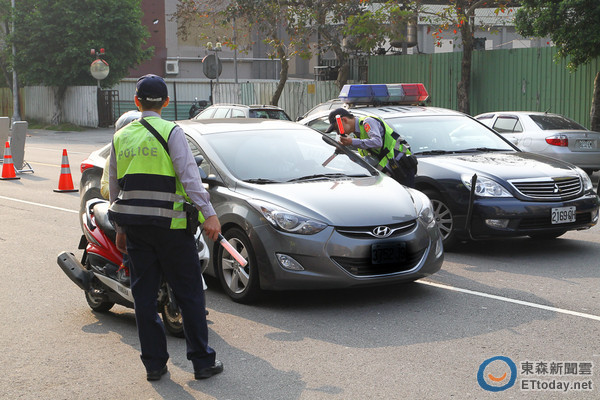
(65, 182)
(8, 168)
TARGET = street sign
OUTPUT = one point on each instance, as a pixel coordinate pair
(212, 66)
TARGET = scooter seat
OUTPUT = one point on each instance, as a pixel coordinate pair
(102, 221)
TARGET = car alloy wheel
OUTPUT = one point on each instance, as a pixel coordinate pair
(240, 283)
(443, 217)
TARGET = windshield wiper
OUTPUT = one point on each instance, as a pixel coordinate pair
(474, 149)
(261, 180)
(433, 152)
(318, 176)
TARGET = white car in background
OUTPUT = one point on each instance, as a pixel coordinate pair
(548, 134)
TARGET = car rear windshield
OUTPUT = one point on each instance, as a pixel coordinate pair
(553, 122)
(269, 114)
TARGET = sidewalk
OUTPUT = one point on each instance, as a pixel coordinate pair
(98, 136)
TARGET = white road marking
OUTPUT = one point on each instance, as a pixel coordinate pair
(56, 151)
(514, 301)
(39, 204)
(438, 285)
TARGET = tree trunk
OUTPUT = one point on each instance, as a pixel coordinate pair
(595, 111)
(59, 97)
(464, 85)
(283, 75)
(344, 66)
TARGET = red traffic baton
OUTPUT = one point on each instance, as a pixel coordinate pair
(340, 126)
(234, 253)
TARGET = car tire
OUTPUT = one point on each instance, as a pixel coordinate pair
(240, 283)
(547, 235)
(444, 218)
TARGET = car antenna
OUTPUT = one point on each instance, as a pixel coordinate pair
(548, 109)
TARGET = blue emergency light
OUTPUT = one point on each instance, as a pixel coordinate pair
(395, 93)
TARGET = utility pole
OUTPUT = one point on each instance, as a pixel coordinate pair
(15, 83)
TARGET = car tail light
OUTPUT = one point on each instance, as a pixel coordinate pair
(85, 164)
(558, 140)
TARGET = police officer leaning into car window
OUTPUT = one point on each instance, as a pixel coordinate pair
(378, 140)
(153, 178)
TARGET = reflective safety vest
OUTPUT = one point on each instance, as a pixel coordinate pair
(151, 193)
(391, 143)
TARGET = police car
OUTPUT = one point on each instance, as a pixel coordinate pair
(481, 185)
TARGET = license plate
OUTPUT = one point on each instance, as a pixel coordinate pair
(585, 144)
(563, 215)
(388, 253)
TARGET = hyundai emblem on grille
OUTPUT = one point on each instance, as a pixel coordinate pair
(382, 231)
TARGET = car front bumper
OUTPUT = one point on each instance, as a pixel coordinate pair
(331, 259)
(524, 218)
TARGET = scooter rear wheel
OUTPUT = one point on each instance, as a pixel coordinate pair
(97, 303)
(172, 321)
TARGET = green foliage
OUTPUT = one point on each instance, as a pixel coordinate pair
(571, 24)
(54, 38)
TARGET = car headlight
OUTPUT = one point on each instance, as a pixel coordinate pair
(486, 187)
(585, 178)
(423, 207)
(286, 220)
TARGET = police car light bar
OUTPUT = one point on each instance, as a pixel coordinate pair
(395, 93)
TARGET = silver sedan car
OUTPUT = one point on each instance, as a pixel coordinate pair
(548, 134)
(305, 212)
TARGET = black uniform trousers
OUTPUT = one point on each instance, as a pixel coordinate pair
(153, 252)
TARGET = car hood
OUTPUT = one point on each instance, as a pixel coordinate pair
(507, 166)
(377, 200)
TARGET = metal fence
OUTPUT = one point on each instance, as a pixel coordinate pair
(297, 96)
(515, 79)
(501, 80)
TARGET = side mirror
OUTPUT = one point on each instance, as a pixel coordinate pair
(203, 174)
(210, 180)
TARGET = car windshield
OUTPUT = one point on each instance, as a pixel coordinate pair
(446, 134)
(278, 156)
(270, 114)
(551, 122)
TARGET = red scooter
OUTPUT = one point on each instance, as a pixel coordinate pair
(103, 275)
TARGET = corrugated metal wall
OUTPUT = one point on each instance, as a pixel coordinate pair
(514, 79)
(297, 96)
(79, 105)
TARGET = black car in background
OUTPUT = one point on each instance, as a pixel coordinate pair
(481, 185)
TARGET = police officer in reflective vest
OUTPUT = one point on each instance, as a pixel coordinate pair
(378, 140)
(155, 192)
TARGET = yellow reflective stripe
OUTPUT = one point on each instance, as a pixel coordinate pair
(148, 211)
(150, 195)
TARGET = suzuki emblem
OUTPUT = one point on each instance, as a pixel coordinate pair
(382, 231)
